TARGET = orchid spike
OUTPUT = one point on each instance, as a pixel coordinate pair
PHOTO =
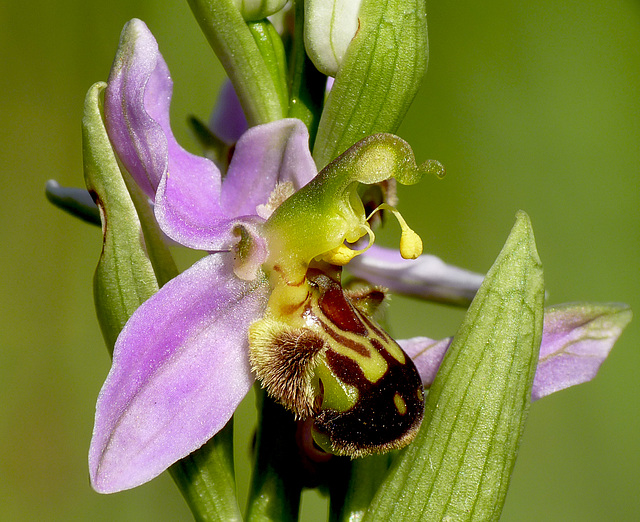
(267, 300)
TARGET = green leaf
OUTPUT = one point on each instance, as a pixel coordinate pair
(459, 466)
(380, 75)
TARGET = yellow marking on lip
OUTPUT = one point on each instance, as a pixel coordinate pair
(401, 406)
(337, 395)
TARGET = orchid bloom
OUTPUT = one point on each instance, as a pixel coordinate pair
(183, 363)
(267, 301)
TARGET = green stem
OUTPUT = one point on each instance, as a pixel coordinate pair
(206, 479)
(307, 84)
(272, 51)
(240, 54)
(350, 498)
(276, 485)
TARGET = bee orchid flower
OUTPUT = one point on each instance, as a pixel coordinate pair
(277, 235)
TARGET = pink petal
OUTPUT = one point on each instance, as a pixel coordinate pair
(427, 276)
(576, 339)
(179, 371)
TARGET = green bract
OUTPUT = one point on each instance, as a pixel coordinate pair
(124, 278)
(459, 466)
(253, 70)
(378, 78)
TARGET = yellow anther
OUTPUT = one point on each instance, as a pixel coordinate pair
(340, 255)
(410, 242)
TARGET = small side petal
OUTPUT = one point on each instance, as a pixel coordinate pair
(576, 340)
(427, 276)
(188, 207)
(427, 355)
(180, 369)
(199, 213)
(265, 156)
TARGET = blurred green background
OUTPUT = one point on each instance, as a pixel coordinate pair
(530, 105)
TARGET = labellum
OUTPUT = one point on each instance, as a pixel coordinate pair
(329, 361)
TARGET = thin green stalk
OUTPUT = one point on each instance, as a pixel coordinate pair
(351, 497)
(206, 479)
(307, 84)
(240, 54)
(159, 254)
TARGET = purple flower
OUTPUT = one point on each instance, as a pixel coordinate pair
(183, 361)
(181, 365)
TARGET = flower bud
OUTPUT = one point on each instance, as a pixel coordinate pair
(253, 10)
(329, 28)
